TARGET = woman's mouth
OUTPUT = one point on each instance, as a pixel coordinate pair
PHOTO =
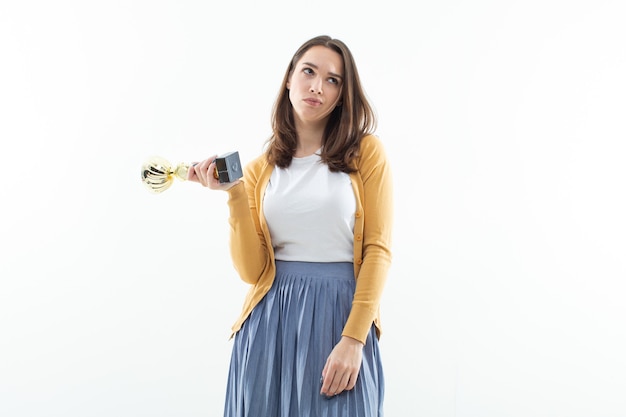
(312, 101)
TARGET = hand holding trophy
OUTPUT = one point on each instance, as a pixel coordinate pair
(157, 174)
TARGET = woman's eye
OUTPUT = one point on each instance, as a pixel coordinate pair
(333, 80)
(308, 71)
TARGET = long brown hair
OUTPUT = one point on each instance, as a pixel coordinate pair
(346, 126)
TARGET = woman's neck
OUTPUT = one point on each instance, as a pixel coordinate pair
(306, 148)
(309, 140)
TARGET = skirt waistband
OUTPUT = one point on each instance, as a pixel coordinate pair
(316, 269)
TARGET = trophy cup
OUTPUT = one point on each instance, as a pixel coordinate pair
(157, 174)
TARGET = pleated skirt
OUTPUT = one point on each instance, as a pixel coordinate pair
(279, 353)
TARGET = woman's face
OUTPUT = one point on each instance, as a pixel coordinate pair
(315, 84)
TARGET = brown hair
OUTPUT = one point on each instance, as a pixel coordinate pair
(348, 122)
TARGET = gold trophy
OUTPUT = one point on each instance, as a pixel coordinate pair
(157, 174)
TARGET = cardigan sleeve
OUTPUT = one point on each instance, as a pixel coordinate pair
(377, 206)
(247, 244)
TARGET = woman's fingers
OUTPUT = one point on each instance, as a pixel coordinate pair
(342, 367)
(337, 382)
(205, 173)
(202, 172)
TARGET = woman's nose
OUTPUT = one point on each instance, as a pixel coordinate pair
(316, 87)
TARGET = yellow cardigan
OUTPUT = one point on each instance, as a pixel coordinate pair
(253, 255)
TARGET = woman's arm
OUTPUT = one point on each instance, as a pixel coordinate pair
(375, 173)
(247, 243)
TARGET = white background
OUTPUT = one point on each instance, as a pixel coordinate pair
(504, 122)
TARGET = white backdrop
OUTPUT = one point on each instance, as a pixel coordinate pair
(504, 121)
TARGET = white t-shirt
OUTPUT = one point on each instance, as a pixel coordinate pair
(310, 212)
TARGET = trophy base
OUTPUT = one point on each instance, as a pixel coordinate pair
(228, 167)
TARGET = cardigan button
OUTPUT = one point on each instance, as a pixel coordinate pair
(359, 261)
(358, 237)
(357, 214)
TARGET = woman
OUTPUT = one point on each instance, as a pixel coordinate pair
(310, 231)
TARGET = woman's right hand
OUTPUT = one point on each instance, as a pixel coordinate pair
(204, 172)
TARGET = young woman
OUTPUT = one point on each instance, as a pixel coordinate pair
(310, 231)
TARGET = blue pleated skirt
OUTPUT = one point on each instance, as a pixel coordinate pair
(279, 353)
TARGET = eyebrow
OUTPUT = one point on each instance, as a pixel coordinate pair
(310, 64)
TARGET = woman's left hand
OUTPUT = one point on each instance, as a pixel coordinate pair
(342, 367)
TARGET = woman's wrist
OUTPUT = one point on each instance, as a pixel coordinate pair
(351, 341)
